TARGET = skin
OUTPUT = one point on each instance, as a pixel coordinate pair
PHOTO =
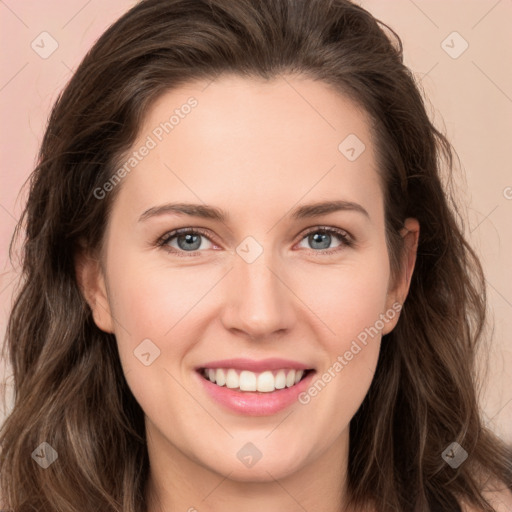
(257, 150)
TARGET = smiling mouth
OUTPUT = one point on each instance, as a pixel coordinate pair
(246, 381)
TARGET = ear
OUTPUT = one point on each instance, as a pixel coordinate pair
(90, 278)
(398, 293)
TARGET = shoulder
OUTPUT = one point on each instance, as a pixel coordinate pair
(498, 495)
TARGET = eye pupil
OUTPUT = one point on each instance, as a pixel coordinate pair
(190, 240)
(323, 239)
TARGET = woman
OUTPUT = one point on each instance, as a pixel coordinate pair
(244, 285)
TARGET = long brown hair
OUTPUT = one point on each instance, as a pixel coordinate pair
(69, 386)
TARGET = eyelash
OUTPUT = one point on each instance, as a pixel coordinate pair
(345, 238)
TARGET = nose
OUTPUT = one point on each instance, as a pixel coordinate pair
(258, 302)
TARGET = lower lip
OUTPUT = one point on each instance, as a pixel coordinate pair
(256, 403)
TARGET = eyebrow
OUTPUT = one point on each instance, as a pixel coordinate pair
(211, 212)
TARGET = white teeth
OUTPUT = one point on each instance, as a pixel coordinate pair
(220, 378)
(265, 382)
(232, 380)
(280, 379)
(247, 381)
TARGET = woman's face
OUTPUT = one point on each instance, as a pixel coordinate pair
(264, 283)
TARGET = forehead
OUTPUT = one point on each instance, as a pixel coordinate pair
(249, 143)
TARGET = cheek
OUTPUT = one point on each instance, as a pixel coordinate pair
(151, 300)
(158, 304)
(352, 304)
(156, 308)
(347, 298)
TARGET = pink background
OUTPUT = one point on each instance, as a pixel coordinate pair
(469, 98)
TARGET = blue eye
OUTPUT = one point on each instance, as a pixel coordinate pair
(189, 241)
(320, 239)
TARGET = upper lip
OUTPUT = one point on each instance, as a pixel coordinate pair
(256, 366)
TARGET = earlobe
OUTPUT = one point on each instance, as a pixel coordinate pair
(91, 282)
